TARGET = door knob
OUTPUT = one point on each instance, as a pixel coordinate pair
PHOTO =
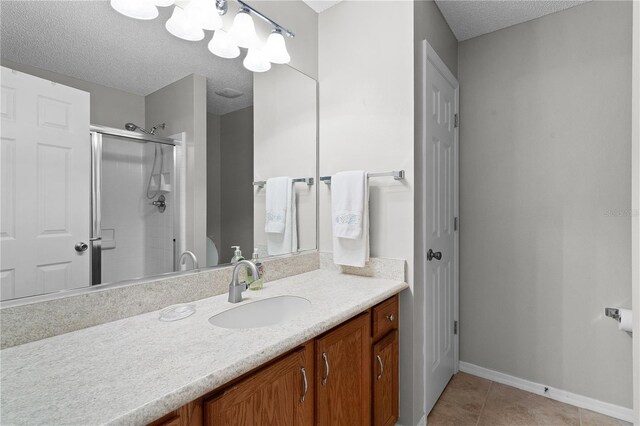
(80, 247)
(437, 255)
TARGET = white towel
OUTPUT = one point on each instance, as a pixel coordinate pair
(287, 241)
(352, 250)
(347, 203)
(277, 202)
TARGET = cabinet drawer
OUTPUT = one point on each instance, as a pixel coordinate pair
(385, 317)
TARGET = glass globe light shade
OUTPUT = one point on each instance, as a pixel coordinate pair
(243, 31)
(276, 49)
(203, 13)
(137, 9)
(183, 28)
(221, 45)
(256, 61)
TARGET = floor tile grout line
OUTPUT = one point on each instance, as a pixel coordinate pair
(484, 403)
(579, 416)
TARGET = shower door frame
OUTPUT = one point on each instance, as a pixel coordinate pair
(95, 236)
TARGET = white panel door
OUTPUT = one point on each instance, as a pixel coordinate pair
(439, 181)
(45, 180)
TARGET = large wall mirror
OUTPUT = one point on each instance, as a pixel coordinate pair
(127, 152)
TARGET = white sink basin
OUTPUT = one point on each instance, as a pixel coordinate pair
(262, 313)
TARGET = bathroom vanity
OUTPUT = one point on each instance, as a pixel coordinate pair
(348, 375)
(336, 362)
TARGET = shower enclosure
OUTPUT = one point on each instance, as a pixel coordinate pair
(134, 205)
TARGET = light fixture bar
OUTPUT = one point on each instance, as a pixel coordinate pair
(266, 18)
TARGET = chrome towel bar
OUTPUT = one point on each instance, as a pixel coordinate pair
(307, 180)
(396, 174)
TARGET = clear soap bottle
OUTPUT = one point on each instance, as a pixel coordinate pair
(259, 283)
(237, 255)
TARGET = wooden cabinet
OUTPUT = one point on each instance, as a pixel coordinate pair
(187, 415)
(384, 362)
(343, 381)
(347, 376)
(385, 380)
(275, 395)
(385, 317)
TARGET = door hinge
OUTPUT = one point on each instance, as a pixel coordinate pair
(455, 223)
(456, 120)
(455, 327)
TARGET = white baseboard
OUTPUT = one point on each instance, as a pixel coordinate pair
(601, 407)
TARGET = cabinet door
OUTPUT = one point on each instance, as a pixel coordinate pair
(385, 380)
(274, 395)
(343, 373)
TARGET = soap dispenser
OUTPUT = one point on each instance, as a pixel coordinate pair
(237, 255)
(259, 283)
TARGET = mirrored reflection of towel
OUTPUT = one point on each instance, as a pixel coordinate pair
(286, 241)
(277, 202)
(350, 218)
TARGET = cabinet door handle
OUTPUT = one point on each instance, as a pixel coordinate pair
(305, 384)
(390, 317)
(381, 366)
(326, 368)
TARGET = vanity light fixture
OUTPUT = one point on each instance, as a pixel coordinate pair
(276, 49)
(256, 61)
(191, 17)
(138, 9)
(204, 14)
(222, 45)
(163, 3)
(243, 31)
(182, 27)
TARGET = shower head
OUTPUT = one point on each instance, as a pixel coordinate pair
(132, 127)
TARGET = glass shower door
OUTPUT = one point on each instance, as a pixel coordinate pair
(134, 224)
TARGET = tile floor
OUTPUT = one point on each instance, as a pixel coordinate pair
(471, 400)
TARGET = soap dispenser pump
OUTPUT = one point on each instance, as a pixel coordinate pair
(256, 283)
(237, 254)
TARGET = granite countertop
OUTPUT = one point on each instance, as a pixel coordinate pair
(137, 369)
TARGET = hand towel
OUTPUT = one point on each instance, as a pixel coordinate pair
(350, 251)
(287, 241)
(347, 203)
(277, 202)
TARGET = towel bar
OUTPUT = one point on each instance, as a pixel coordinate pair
(307, 180)
(396, 174)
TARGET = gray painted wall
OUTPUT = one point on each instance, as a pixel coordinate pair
(182, 105)
(236, 184)
(109, 107)
(545, 168)
(213, 179)
(429, 24)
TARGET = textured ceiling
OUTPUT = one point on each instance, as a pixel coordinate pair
(91, 41)
(471, 18)
(321, 5)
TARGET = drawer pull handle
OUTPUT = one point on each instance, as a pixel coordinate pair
(305, 384)
(326, 368)
(381, 366)
(390, 317)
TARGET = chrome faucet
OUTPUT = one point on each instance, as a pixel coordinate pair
(193, 257)
(236, 288)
